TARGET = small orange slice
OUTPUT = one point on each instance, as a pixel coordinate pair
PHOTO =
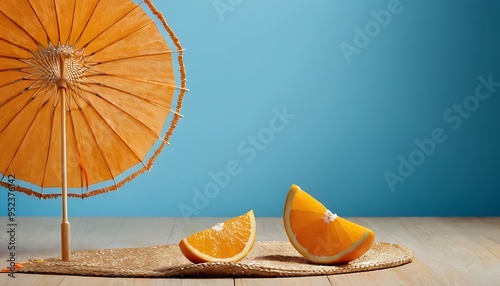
(16, 266)
(319, 235)
(231, 240)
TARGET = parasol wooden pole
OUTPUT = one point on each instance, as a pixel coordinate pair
(65, 227)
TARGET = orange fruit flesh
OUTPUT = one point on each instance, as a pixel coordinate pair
(231, 240)
(321, 236)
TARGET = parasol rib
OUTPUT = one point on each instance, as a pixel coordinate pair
(77, 94)
(45, 95)
(138, 80)
(31, 99)
(14, 44)
(32, 85)
(48, 151)
(19, 69)
(24, 135)
(132, 57)
(126, 113)
(119, 136)
(21, 28)
(121, 109)
(57, 21)
(121, 39)
(115, 23)
(78, 152)
(17, 114)
(72, 23)
(177, 43)
(129, 93)
(11, 58)
(88, 21)
(9, 83)
(39, 21)
(98, 146)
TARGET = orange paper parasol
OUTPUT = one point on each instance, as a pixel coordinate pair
(86, 88)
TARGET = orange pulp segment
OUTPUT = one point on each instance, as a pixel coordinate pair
(319, 235)
(231, 240)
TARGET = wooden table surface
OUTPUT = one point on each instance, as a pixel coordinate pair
(449, 251)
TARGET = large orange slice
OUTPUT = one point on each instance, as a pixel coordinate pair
(231, 240)
(319, 235)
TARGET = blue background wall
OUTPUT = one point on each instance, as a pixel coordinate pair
(356, 102)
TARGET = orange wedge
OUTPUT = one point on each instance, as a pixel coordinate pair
(16, 266)
(231, 240)
(319, 235)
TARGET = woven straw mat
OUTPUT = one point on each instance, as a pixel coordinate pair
(266, 259)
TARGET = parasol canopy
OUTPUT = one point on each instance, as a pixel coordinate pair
(86, 89)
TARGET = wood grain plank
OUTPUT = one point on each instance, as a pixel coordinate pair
(489, 233)
(209, 282)
(35, 235)
(414, 273)
(493, 222)
(467, 252)
(442, 245)
(449, 251)
(31, 279)
(270, 229)
(139, 232)
(291, 281)
(105, 281)
(97, 281)
(95, 232)
(63, 280)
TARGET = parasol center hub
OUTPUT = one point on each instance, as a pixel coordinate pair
(61, 65)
